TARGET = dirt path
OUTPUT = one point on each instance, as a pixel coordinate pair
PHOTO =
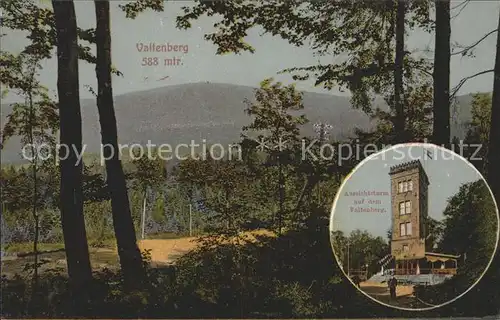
(380, 292)
(163, 251)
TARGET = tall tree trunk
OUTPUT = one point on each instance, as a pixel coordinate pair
(34, 171)
(143, 212)
(441, 75)
(398, 72)
(281, 194)
(493, 167)
(493, 158)
(73, 223)
(130, 256)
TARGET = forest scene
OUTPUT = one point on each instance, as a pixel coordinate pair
(106, 232)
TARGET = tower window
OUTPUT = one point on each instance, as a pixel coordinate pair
(404, 208)
(408, 207)
(405, 186)
(408, 228)
(402, 229)
(406, 248)
(405, 229)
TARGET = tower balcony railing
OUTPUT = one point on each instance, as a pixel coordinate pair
(452, 271)
(445, 271)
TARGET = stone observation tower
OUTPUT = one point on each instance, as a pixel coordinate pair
(409, 203)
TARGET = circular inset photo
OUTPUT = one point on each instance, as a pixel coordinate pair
(414, 226)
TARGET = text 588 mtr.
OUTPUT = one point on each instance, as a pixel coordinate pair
(158, 61)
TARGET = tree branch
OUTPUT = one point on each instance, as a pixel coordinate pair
(462, 5)
(427, 72)
(467, 48)
(464, 80)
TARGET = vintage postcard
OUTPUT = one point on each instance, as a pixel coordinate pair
(244, 159)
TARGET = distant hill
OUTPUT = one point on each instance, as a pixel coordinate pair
(211, 111)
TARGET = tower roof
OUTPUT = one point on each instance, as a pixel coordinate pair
(415, 164)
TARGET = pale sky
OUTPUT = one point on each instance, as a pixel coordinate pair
(272, 54)
(446, 174)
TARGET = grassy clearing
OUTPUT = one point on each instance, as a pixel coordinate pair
(99, 258)
(28, 247)
(102, 254)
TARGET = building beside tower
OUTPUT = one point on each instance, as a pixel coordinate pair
(409, 203)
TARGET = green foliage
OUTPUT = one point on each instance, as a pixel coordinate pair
(150, 171)
(17, 192)
(363, 32)
(470, 230)
(93, 184)
(16, 188)
(434, 233)
(479, 130)
(277, 129)
(233, 279)
(262, 188)
(20, 227)
(470, 226)
(481, 117)
(133, 8)
(98, 222)
(262, 279)
(271, 111)
(37, 23)
(225, 186)
(359, 251)
(35, 120)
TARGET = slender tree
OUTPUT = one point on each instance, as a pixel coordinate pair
(73, 223)
(272, 111)
(150, 175)
(130, 256)
(493, 169)
(441, 74)
(35, 120)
